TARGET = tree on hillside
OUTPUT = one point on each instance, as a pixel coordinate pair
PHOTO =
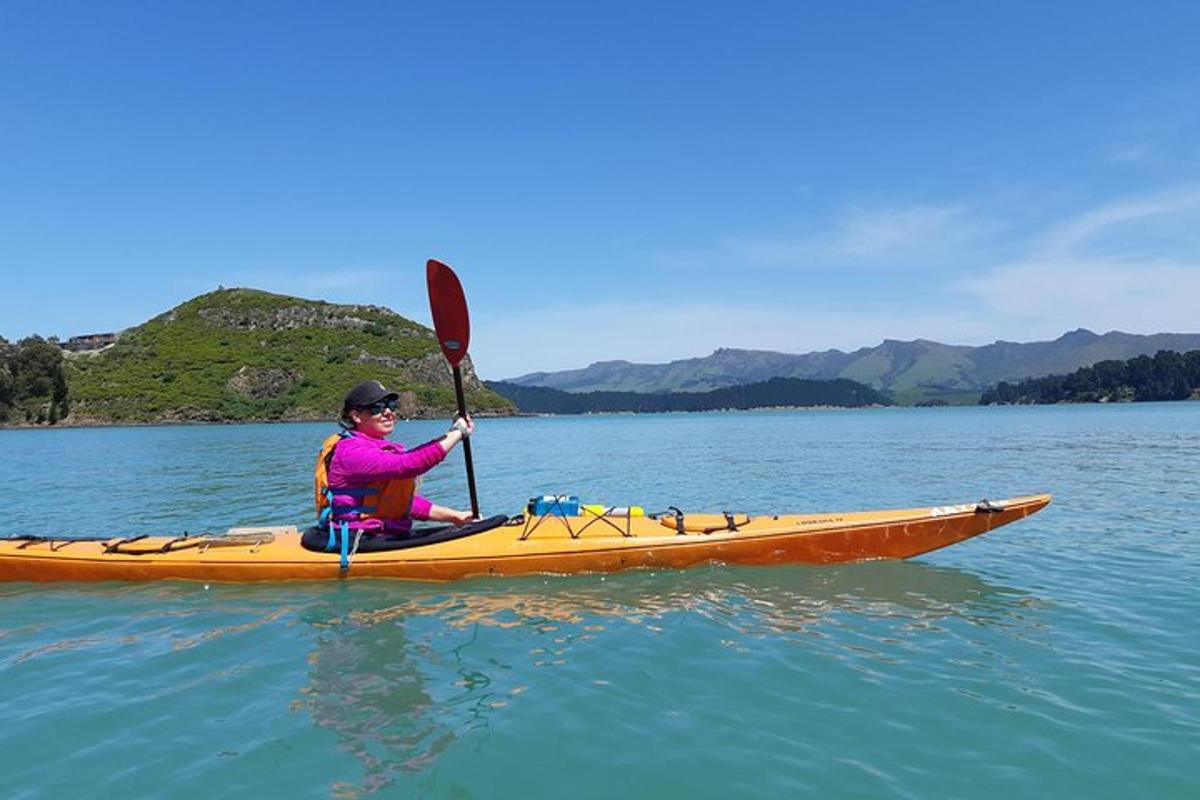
(1168, 380)
(6, 380)
(1191, 367)
(33, 384)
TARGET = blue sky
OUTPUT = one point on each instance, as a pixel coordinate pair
(644, 181)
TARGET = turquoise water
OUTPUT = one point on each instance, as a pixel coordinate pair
(1056, 657)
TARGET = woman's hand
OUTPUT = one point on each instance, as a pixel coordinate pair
(459, 430)
(442, 514)
(463, 424)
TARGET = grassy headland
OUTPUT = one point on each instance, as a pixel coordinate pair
(243, 354)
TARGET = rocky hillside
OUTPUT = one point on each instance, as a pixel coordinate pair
(911, 372)
(244, 354)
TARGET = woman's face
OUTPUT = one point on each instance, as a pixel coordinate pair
(377, 425)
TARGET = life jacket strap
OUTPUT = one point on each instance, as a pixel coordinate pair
(339, 539)
(345, 555)
(335, 509)
(348, 492)
(332, 543)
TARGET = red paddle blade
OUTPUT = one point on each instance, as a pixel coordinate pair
(449, 306)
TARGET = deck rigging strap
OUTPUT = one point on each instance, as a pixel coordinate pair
(115, 547)
(674, 517)
(566, 520)
(189, 541)
(607, 518)
(54, 543)
(730, 523)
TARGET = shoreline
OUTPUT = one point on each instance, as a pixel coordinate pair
(483, 415)
(540, 415)
(179, 423)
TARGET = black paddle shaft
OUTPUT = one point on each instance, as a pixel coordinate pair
(466, 442)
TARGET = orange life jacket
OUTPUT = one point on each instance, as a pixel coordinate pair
(381, 500)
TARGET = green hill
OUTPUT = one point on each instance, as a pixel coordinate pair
(244, 354)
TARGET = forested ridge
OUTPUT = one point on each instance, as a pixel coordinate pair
(775, 393)
(1165, 376)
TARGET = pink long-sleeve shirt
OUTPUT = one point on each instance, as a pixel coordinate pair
(359, 460)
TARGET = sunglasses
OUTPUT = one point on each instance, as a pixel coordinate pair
(378, 408)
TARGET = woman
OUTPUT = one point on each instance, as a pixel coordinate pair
(365, 482)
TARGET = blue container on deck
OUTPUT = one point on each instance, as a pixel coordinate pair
(561, 505)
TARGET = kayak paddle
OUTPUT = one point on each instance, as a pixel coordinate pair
(453, 329)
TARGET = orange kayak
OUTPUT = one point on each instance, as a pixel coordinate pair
(592, 542)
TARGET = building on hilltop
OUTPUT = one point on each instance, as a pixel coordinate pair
(89, 341)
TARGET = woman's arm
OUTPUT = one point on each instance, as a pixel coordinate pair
(423, 509)
(368, 459)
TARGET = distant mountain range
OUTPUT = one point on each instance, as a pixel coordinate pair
(911, 372)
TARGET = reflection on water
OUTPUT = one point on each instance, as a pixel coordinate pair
(398, 674)
(368, 690)
(764, 600)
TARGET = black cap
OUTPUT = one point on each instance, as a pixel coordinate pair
(366, 394)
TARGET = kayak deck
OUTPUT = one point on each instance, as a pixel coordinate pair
(526, 545)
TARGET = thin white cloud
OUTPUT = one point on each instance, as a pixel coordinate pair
(872, 234)
(1159, 129)
(1062, 283)
(905, 236)
(1129, 153)
(1180, 203)
(1144, 297)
